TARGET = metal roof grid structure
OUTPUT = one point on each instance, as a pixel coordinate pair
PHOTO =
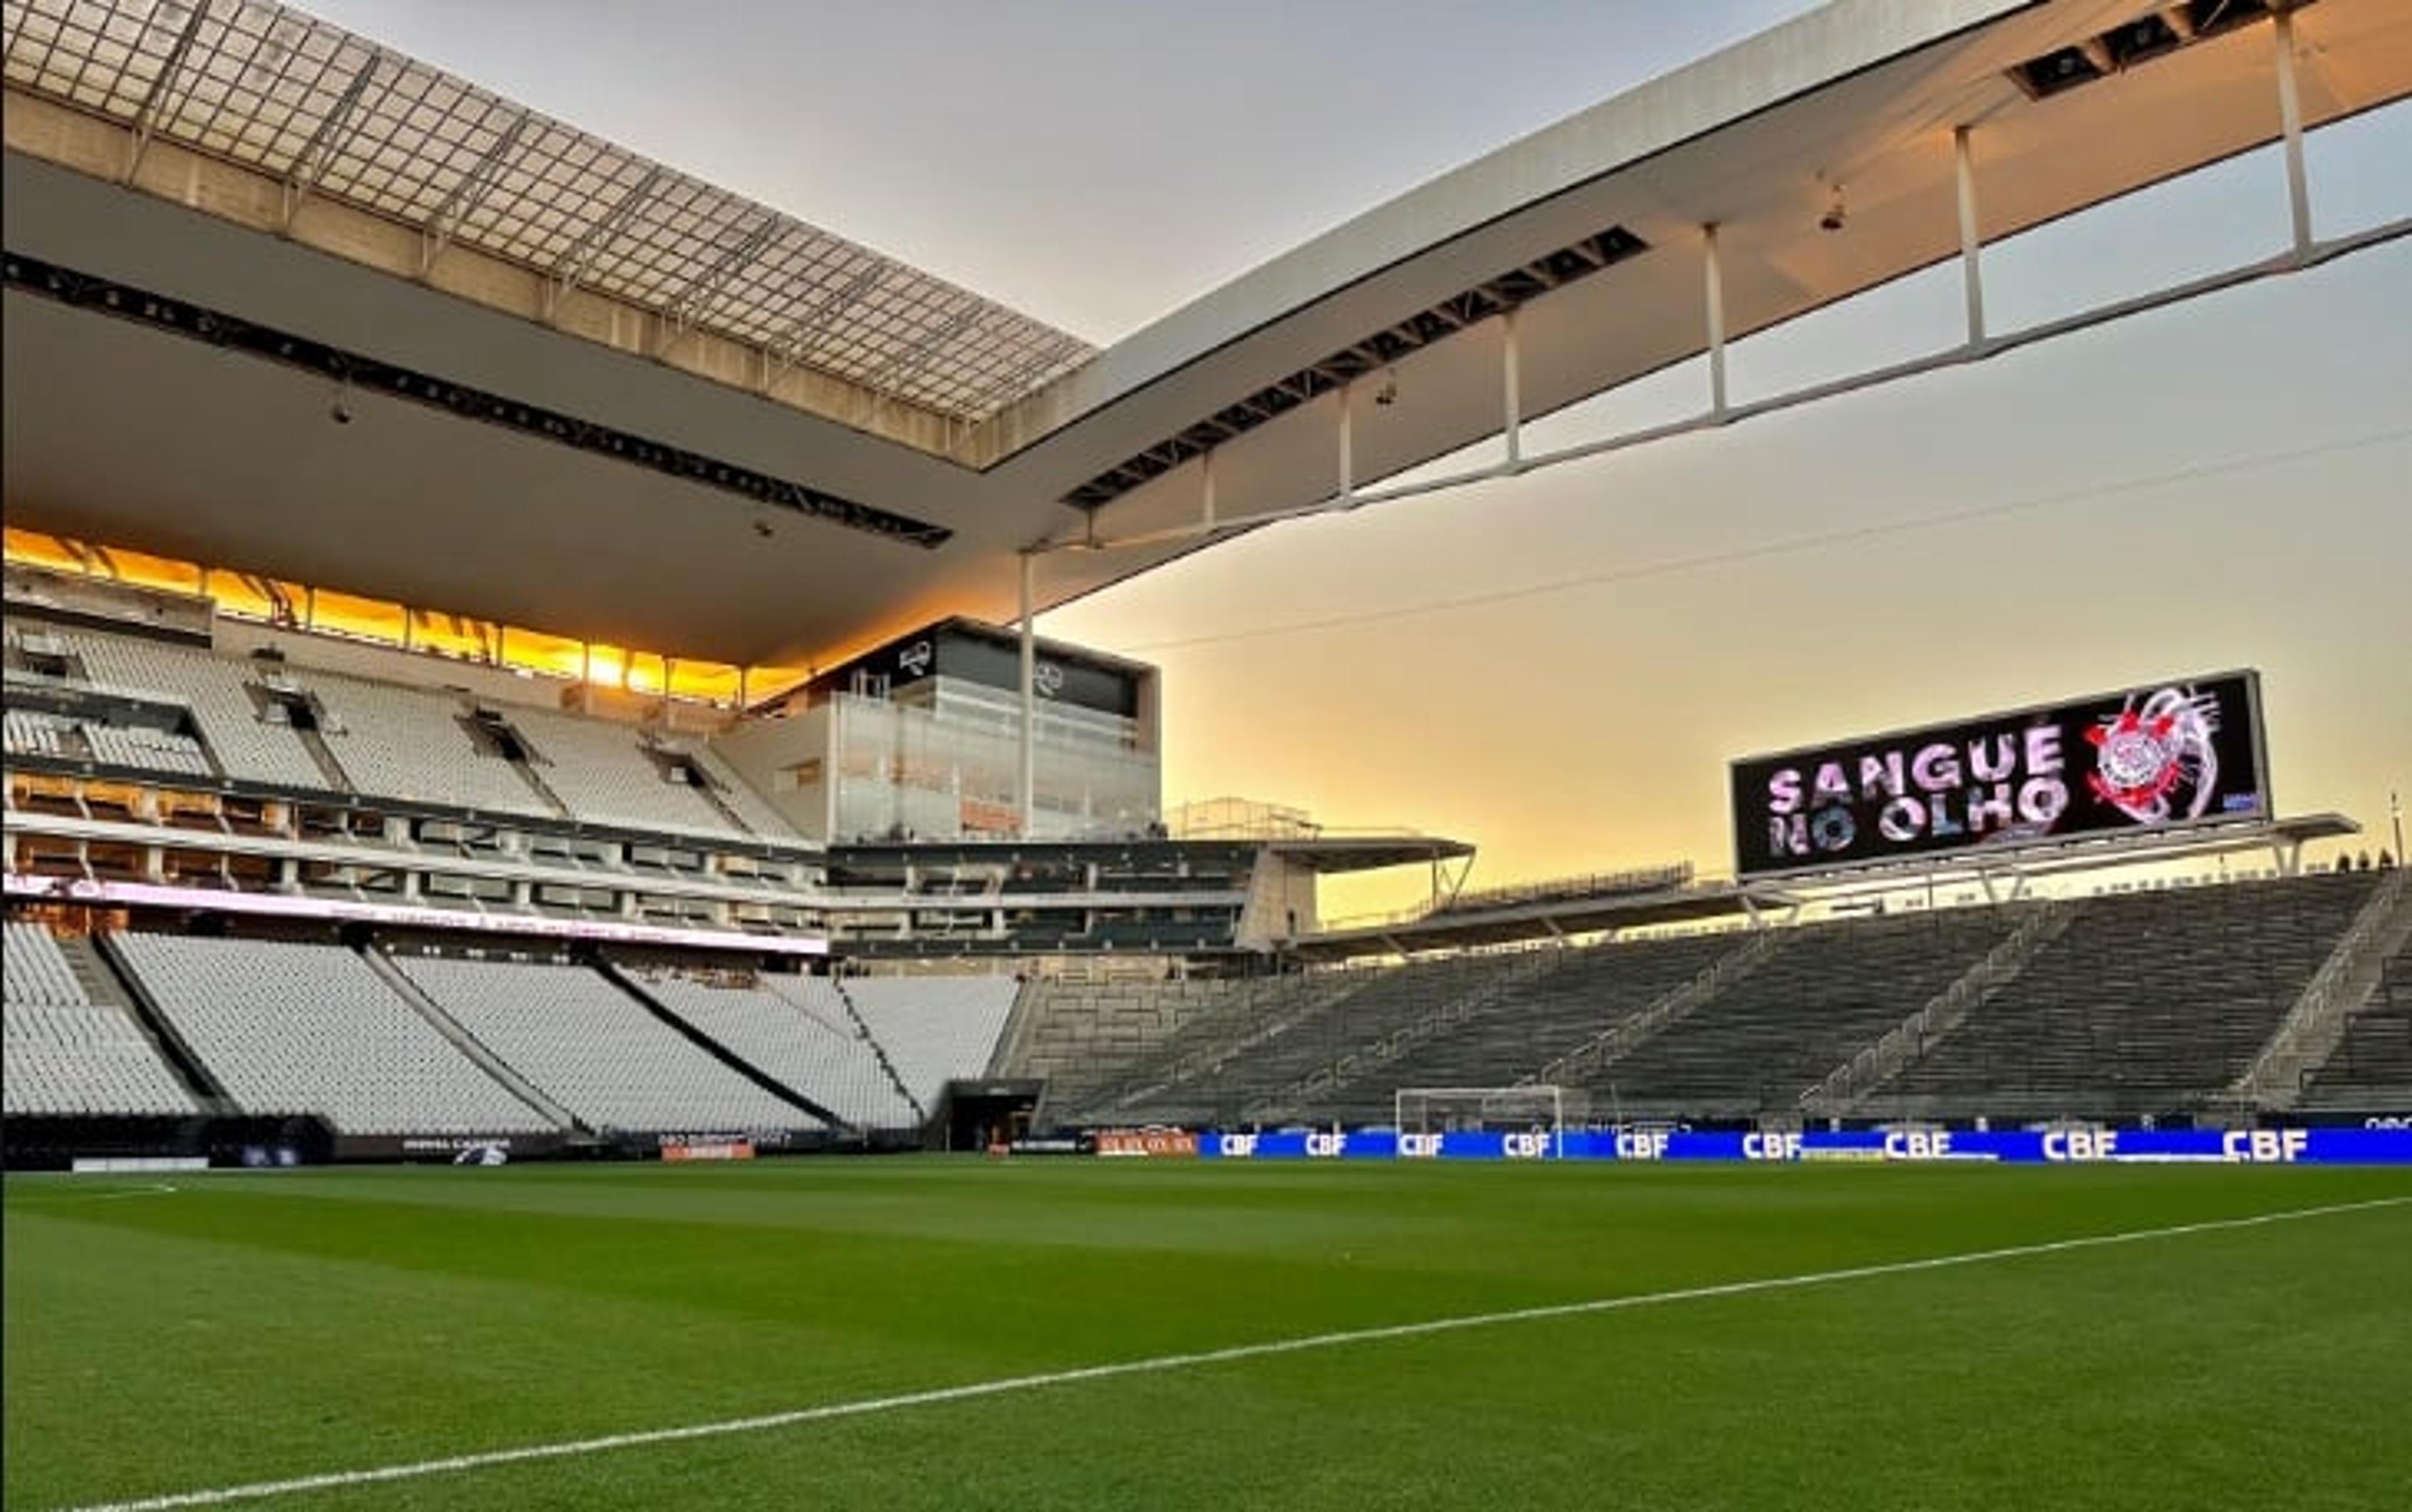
(332, 114)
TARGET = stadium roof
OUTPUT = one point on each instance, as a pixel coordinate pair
(336, 114)
(597, 397)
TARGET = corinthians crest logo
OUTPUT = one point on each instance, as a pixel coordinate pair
(2155, 761)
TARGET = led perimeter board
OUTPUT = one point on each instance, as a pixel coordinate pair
(2163, 756)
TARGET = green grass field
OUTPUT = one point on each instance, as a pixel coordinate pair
(250, 1328)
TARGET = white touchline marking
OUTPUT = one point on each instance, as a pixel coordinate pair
(145, 1190)
(261, 1490)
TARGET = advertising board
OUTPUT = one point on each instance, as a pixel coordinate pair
(2161, 755)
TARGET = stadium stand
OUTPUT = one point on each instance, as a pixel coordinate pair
(413, 744)
(67, 1054)
(136, 746)
(215, 690)
(1099, 1045)
(34, 970)
(596, 1050)
(1822, 993)
(38, 734)
(933, 1029)
(85, 1059)
(1582, 992)
(2372, 1066)
(292, 1029)
(602, 774)
(380, 739)
(2148, 1003)
(796, 1032)
(747, 805)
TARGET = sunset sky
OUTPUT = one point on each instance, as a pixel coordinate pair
(1558, 667)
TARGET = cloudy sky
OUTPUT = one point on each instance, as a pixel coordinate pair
(1558, 667)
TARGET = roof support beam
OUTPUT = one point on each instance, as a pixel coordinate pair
(1018, 381)
(1971, 241)
(473, 186)
(2291, 117)
(302, 174)
(694, 300)
(1347, 445)
(1511, 390)
(1714, 291)
(1025, 788)
(824, 311)
(921, 353)
(1348, 497)
(596, 237)
(146, 118)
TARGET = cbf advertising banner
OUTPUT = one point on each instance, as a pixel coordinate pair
(2022, 1147)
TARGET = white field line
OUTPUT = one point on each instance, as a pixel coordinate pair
(146, 1190)
(454, 1465)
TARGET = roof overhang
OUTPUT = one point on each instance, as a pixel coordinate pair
(129, 433)
(1453, 929)
(1334, 854)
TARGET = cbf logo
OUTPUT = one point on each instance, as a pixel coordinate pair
(2080, 1144)
(1419, 1146)
(2283, 1145)
(1238, 1147)
(1326, 1146)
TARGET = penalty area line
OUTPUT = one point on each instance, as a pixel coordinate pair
(938, 1396)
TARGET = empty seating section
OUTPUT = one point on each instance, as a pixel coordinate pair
(594, 1049)
(1097, 1047)
(410, 743)
(68, 1055)
(85, 1058)
(1082, 1036)
(311, 1029)
(388, 740)
(118, 745)
(38, 734)
(2148, 1003)
(741, 798)
(806, 1045)
(214, 688)
(1302, 1025)
(158, 749)
(1824, 992)
(2371, 1071)
(1554, 1005)
(34, 970)
(934, 1029)
(602, 774)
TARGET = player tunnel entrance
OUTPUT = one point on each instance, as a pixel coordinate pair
(977, 1114)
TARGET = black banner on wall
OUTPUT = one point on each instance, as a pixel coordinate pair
(2158, 756)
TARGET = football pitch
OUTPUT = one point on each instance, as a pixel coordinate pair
(928, 1332)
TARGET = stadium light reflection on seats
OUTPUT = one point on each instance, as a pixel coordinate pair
(434, 632)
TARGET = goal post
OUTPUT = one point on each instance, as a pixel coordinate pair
(1536, 1109)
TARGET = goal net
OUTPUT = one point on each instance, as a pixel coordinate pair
(1529, 1109)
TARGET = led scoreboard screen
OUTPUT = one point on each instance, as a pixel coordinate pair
(2162, 756)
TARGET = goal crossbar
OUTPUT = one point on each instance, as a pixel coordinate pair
(1439, 1109)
